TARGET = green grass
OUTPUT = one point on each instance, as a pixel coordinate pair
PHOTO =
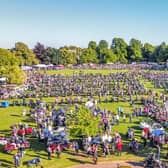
(13, 115)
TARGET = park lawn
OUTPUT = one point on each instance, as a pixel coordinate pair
(13, 115)
(93, 71)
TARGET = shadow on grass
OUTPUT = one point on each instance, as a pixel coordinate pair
(72, 153)
(5, 163)
(14, 115)
(28, 120)
(38, 156)
(79, 161)
(135, 164)
(36, 146)
(5, 132)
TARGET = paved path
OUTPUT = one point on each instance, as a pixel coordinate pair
(123, 164)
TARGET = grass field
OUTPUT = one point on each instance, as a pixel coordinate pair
(13, 115)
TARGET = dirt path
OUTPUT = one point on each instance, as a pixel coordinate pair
(123, 164)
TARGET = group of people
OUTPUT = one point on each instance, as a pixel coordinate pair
(78, 88)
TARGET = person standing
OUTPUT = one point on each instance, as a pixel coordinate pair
(76, 147)
(22, 150)
(24, 112)
(49, 151)
(119, 146)
(16, 158)
(130, 118)
(94, 152)
(58, 151)
(117, 119)
(158, 151)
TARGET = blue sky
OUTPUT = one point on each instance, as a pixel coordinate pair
(75, 22)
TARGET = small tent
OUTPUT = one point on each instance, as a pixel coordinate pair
(5, 104)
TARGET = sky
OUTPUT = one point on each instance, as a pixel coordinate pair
(75, 22)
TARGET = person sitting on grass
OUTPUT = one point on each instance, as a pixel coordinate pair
(34, 162)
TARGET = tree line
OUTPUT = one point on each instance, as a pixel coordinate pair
(102, 52)
(118, 51)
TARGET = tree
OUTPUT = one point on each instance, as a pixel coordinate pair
(68, 56)
(161, 52)
(13, 73)
(88, 56)
(148, 51)
(83, 123)
(40, 52)
(135, 50)
(108, 56)
(119, 47)
(24, 54)
(7, 58)
(9, 67)
(92, 45)
(103, 44)
(53, 54)
(77, 51)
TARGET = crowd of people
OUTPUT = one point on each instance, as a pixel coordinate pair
(81, 89)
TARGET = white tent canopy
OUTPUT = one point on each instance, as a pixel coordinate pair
(3, 79)
(26, 68)
(40, 66)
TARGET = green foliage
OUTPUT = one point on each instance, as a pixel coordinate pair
(53, 55)
(135, 50)
(24, 54)
(119, 47)
(161, 53)
(7, 58)
(88, 56)
(70, 55)
(92, 45)
(108, 56)
(148, 51)
(120, 52)
(9, 67)
(83, 123)
(13, 73)
(103, 44)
